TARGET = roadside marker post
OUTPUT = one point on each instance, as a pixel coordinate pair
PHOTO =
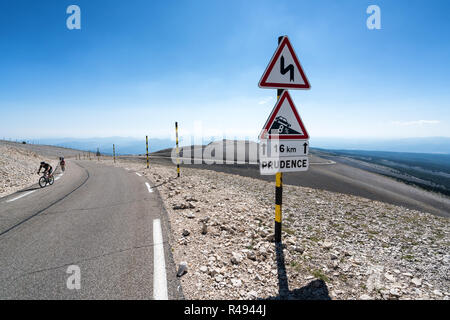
(114, 153)
(146, 146)
(284, 141)
(178, 155)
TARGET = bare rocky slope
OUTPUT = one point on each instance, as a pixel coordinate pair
(335, 246)
(44, 150)
(18, 168)
(19, 163)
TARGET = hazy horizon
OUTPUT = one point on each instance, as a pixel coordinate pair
(131, 145)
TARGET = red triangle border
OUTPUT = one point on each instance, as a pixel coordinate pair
(263, 82)
(304, 136)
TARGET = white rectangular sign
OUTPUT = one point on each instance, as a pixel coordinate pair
(273, 148)
(270, 166)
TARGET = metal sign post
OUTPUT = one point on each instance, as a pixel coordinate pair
(278, 193)
(284, 141)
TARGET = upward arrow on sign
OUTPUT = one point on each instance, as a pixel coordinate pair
(284, 70)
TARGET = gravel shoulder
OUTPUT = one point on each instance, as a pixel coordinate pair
(340, 178)
(335, 246)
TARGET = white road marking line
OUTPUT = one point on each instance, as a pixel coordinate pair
(138, 174)
(148, 187)
(127, 169)
(159, 264)
(21, 196)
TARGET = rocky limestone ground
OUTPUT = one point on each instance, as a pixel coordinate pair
(18, 168)
(335, 246)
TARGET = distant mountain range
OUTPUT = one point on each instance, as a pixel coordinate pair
(415, 145)
(126, 145)
(123, 145)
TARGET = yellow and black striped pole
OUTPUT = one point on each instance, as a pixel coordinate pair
(146, 146)
(278, 191)
(278, 188)
(278, 203)
(114, 153)
(178, 157)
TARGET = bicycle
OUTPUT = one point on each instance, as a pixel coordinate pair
(46, 179)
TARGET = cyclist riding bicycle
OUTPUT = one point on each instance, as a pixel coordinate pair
(47, 168)
(62, 163)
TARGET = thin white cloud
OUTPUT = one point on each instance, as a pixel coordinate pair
(265, 100)
(415, 123)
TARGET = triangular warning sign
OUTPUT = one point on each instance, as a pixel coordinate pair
(284, 122)
(284, 70)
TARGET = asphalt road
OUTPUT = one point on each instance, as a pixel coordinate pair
(338, 177)
(97, 217)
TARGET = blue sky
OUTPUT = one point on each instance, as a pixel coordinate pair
(135, 67)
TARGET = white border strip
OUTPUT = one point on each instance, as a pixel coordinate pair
(159, 264)
(21, 196)
(148, 187)
(139, 174)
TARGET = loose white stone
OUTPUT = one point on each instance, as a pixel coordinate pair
(390, 277)
(236, 282)
(416, 281)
